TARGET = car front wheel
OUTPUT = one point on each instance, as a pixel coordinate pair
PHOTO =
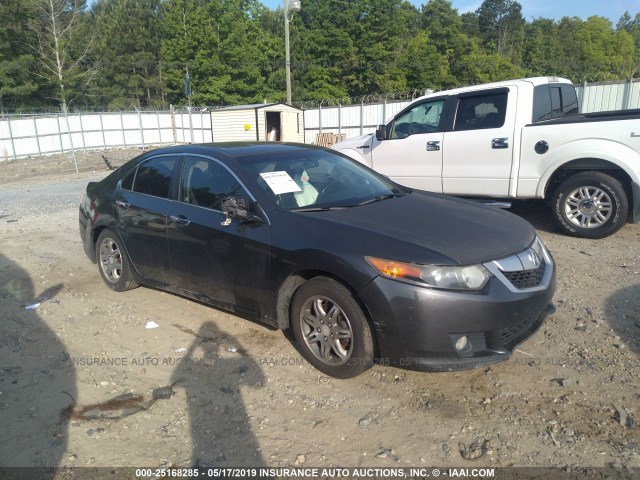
(590, 205)
(330, 328)
(114, 266)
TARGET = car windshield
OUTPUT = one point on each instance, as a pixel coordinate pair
(308, 180)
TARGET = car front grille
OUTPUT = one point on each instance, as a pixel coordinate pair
(526, 278)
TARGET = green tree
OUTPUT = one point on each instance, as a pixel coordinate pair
(222, 46)
(324, 53)
(542, 51)
(605, 54)
(61, 45)
(425, 66)
(17, 84)
(632, 26)
(446, 33)
(501, 26)
(380, 34)
(127, 46)
(481, 67)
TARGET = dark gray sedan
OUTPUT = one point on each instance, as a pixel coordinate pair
(363, 270)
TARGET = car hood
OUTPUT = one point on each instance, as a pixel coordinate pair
(423, 227)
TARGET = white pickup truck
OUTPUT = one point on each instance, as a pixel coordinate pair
(518, 139)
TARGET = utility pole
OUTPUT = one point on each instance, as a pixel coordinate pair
(293, 5)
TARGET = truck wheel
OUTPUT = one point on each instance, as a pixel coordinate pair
(590, 205)
(330, 328)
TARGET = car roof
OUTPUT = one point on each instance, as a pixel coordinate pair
(238, 150)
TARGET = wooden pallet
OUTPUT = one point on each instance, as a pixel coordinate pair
(326, 139)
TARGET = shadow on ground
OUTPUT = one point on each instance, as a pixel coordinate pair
(37, 378)
(622, 311)
(212, 377)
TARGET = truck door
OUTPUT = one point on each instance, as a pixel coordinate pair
(412, 155)
(478, 152)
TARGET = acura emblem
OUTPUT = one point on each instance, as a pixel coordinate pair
(533, 258)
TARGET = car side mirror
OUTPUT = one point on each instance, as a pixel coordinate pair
(238, 207)
(381, 132)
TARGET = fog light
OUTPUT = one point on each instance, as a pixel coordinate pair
(462, 344)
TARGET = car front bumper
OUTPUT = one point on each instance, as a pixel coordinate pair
(417, 327)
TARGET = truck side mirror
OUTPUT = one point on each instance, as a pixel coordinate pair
(381, 132)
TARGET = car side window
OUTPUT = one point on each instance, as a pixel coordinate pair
(206, 183)
(421, 118)
(127, 181)
(481, 111)
(153, 176)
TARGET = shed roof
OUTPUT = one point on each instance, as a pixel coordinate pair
(253, 106)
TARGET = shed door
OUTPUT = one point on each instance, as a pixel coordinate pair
(290, 127)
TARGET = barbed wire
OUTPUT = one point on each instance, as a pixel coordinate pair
(303, 105)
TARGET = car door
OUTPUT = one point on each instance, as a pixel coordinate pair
(478, 152)
(140, 206)
(412, 155)
(226, 261)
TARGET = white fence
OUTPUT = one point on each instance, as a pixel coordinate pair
(349, 119)
(601, 97)
(31, 135)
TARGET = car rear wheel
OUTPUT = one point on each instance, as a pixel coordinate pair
(590, 205)
(114, 266)
(330, 328)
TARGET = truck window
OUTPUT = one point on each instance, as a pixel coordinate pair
(554, 101)
(481, 111)
(541, 103)
(421, 118)
(569, 99)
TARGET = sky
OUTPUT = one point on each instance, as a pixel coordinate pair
(532, 9)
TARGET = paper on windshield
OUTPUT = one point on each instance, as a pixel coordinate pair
(280, 182)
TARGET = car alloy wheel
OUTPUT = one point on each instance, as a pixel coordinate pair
(110, 260)
(113, 263)
(327, 330)
(330, 328)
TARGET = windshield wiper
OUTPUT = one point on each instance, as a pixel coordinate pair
(322, 209)
(382, 197)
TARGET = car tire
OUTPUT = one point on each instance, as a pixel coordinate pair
(331, 329)
(113, 263)
(590, 205)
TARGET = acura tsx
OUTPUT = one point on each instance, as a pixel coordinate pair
(361, 269)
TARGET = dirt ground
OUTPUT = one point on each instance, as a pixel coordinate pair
(238, 394)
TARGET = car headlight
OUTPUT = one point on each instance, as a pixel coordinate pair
(470, 277)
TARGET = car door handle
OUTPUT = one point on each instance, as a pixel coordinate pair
(122, 204)
(180, 220)
(433, 146)
(364, 146)
(500, 143)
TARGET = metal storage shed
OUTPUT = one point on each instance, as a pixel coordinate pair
(261, 122)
